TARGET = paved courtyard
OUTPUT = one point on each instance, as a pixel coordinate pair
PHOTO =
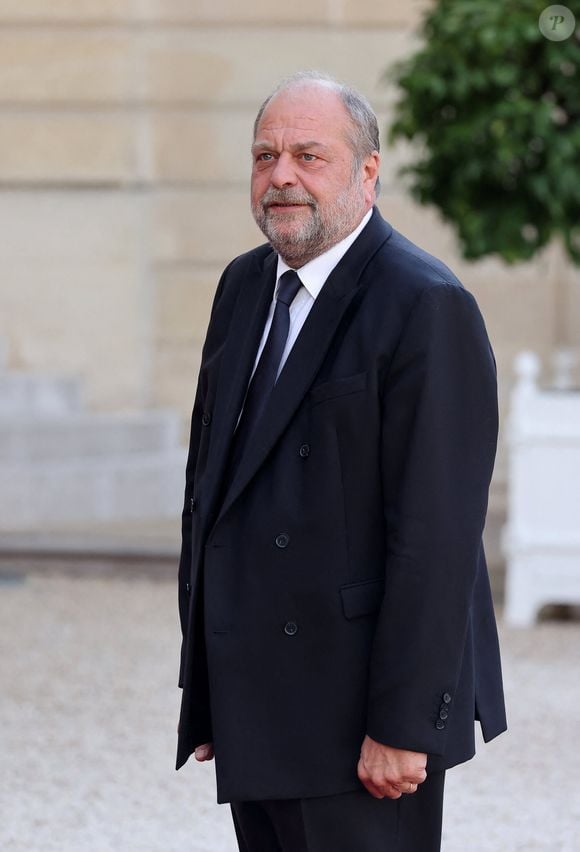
(87, 732)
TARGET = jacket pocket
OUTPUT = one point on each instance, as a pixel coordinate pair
(362, 598)
(338, 387)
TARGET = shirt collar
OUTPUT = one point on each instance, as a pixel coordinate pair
(314, 273)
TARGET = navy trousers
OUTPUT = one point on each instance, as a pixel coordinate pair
(347, 822)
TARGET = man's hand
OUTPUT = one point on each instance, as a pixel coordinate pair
(387, 771)
(204, 752)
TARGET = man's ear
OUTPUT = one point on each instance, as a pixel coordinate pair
(371, 176)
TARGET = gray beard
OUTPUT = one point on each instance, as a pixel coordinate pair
(315, 235)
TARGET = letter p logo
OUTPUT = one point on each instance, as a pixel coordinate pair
(557, 23)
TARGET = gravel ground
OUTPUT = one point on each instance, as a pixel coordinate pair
(87, 732)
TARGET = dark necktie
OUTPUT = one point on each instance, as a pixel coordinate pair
(266, 371)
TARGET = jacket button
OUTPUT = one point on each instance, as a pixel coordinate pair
(290, 628)
(304, 451)
(206, 418)
(193, 505)
(282, 540)
(443, 713)
(446, 698)
(187, 588)
(440, 724)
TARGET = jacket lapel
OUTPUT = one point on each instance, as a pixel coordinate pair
(244, 335)
(308, 352)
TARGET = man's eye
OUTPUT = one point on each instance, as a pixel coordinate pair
(264, 156)
(309, 157)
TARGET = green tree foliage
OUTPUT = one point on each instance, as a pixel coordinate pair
(495, 109)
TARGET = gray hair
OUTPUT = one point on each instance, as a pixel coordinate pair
(363, 136)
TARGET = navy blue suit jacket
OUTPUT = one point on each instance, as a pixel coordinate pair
(338, 585)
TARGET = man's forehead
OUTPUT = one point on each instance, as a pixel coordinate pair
(303, 107)
(280, 121)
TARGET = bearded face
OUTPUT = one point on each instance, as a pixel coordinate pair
(308, 190)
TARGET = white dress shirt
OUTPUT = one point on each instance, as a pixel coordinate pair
(312, 275)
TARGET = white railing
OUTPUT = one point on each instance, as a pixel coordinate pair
(541, 540)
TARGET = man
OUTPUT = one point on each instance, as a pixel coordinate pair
(338, 630)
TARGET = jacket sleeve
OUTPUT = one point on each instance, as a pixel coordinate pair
(439, 434)
(184, 571)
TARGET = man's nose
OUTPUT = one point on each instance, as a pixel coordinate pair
(283, 173)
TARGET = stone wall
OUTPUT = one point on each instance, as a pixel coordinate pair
(124, 165)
